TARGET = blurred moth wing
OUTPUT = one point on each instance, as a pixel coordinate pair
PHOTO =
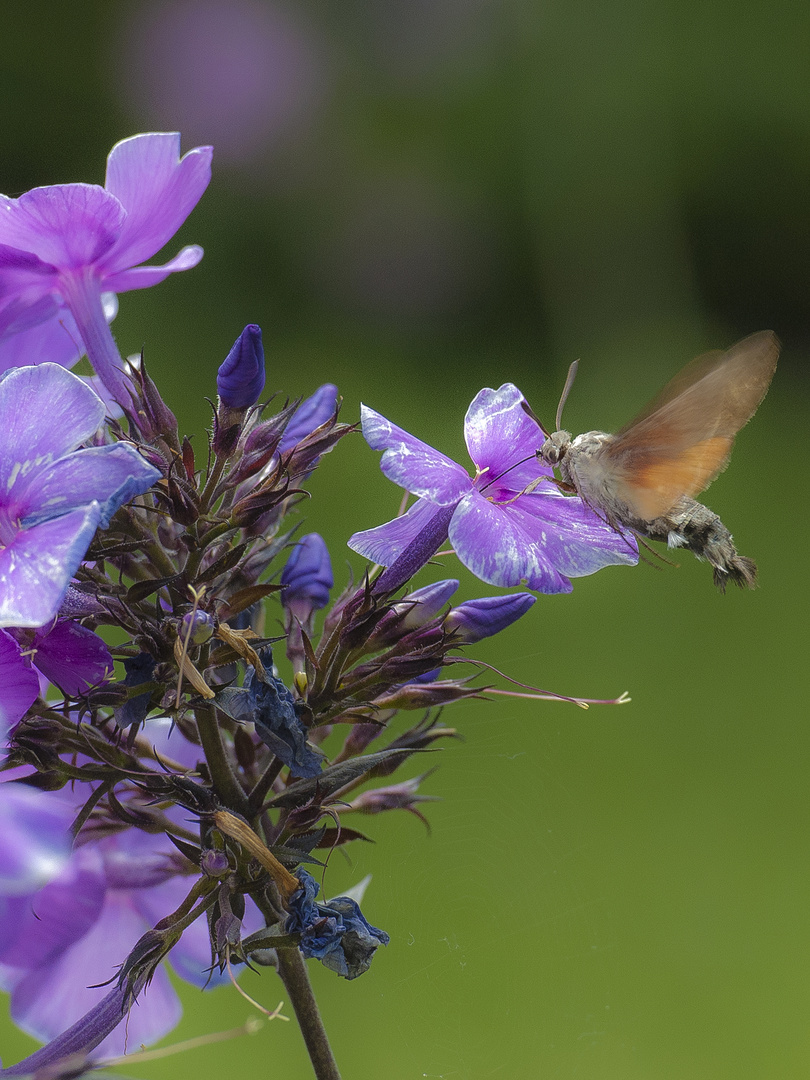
(644, 477)
(683, 439)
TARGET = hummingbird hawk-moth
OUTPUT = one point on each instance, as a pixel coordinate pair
(644, 477)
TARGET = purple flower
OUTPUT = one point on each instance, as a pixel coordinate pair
(35, 845)
(240, 379)
(58, 941)
(336, 933)
(20, 686)
(307, 577)
(62, 246)
(475, 620)
(504, 526)
(53, 496)
(310, 414)
(65, 653)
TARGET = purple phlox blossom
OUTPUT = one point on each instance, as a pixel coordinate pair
(36, 845)
(64, 653)
(336, 933)
(58, 941)
(56, 341)
(475, 620)
(307, 577)
(54, 495)
(310, 414)
(63, 246)
(505, 527)
(241, 377)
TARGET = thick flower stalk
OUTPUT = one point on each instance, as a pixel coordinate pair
(200, 788)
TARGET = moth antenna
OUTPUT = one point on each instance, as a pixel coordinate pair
(530, 412)
(569, 382)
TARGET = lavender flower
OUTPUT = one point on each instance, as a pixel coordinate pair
(60, 938)
(62, 246)
(53, 495)
(35, 845)
(504, 526)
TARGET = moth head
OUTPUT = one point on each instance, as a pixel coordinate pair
(555, 447)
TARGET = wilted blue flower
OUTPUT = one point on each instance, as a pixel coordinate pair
(53, 496)
(310, 414)
(504, 527)
(240, 379)
(336, 933)
(475, 620)
(267, 703)
(307, 577)
(62, 246)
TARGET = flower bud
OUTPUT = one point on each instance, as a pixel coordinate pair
(477, 619)
(310, 414)
(307, 578)
(197, 626)
(412, 612)
(240, 379)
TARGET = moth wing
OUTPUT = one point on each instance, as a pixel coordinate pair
(683, 439)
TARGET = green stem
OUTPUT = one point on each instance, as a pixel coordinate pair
(227, 787)
(293, 972)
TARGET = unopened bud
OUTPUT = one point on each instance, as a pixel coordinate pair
(310, 414)
(240, 379)
(475, 620)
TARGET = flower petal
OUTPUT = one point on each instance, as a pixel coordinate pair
(385, 543)
(73, 657)
(55, 340)
(53, 996)
(36, 843)
(56, 916)
(68, 225)
(111, 475)
(493, 543)
(141, 277)
(413, 464)
(20, 685)
(576, 540)
(36, 568)
(158, 188)
(46, 413)
(500, 435)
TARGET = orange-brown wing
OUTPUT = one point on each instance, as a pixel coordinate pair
(681, 443)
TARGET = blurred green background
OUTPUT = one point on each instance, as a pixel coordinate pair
(418, 198)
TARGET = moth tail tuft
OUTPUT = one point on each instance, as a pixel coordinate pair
(739, 569)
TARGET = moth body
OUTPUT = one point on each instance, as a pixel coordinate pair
(643, 477)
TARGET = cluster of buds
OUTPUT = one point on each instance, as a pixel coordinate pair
(180, 785)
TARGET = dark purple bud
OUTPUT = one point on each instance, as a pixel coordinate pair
(412, 612)
(310, 414)
(479, 619)
(198, 627)
(307, 577)
(240, 379)
(214, 863)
